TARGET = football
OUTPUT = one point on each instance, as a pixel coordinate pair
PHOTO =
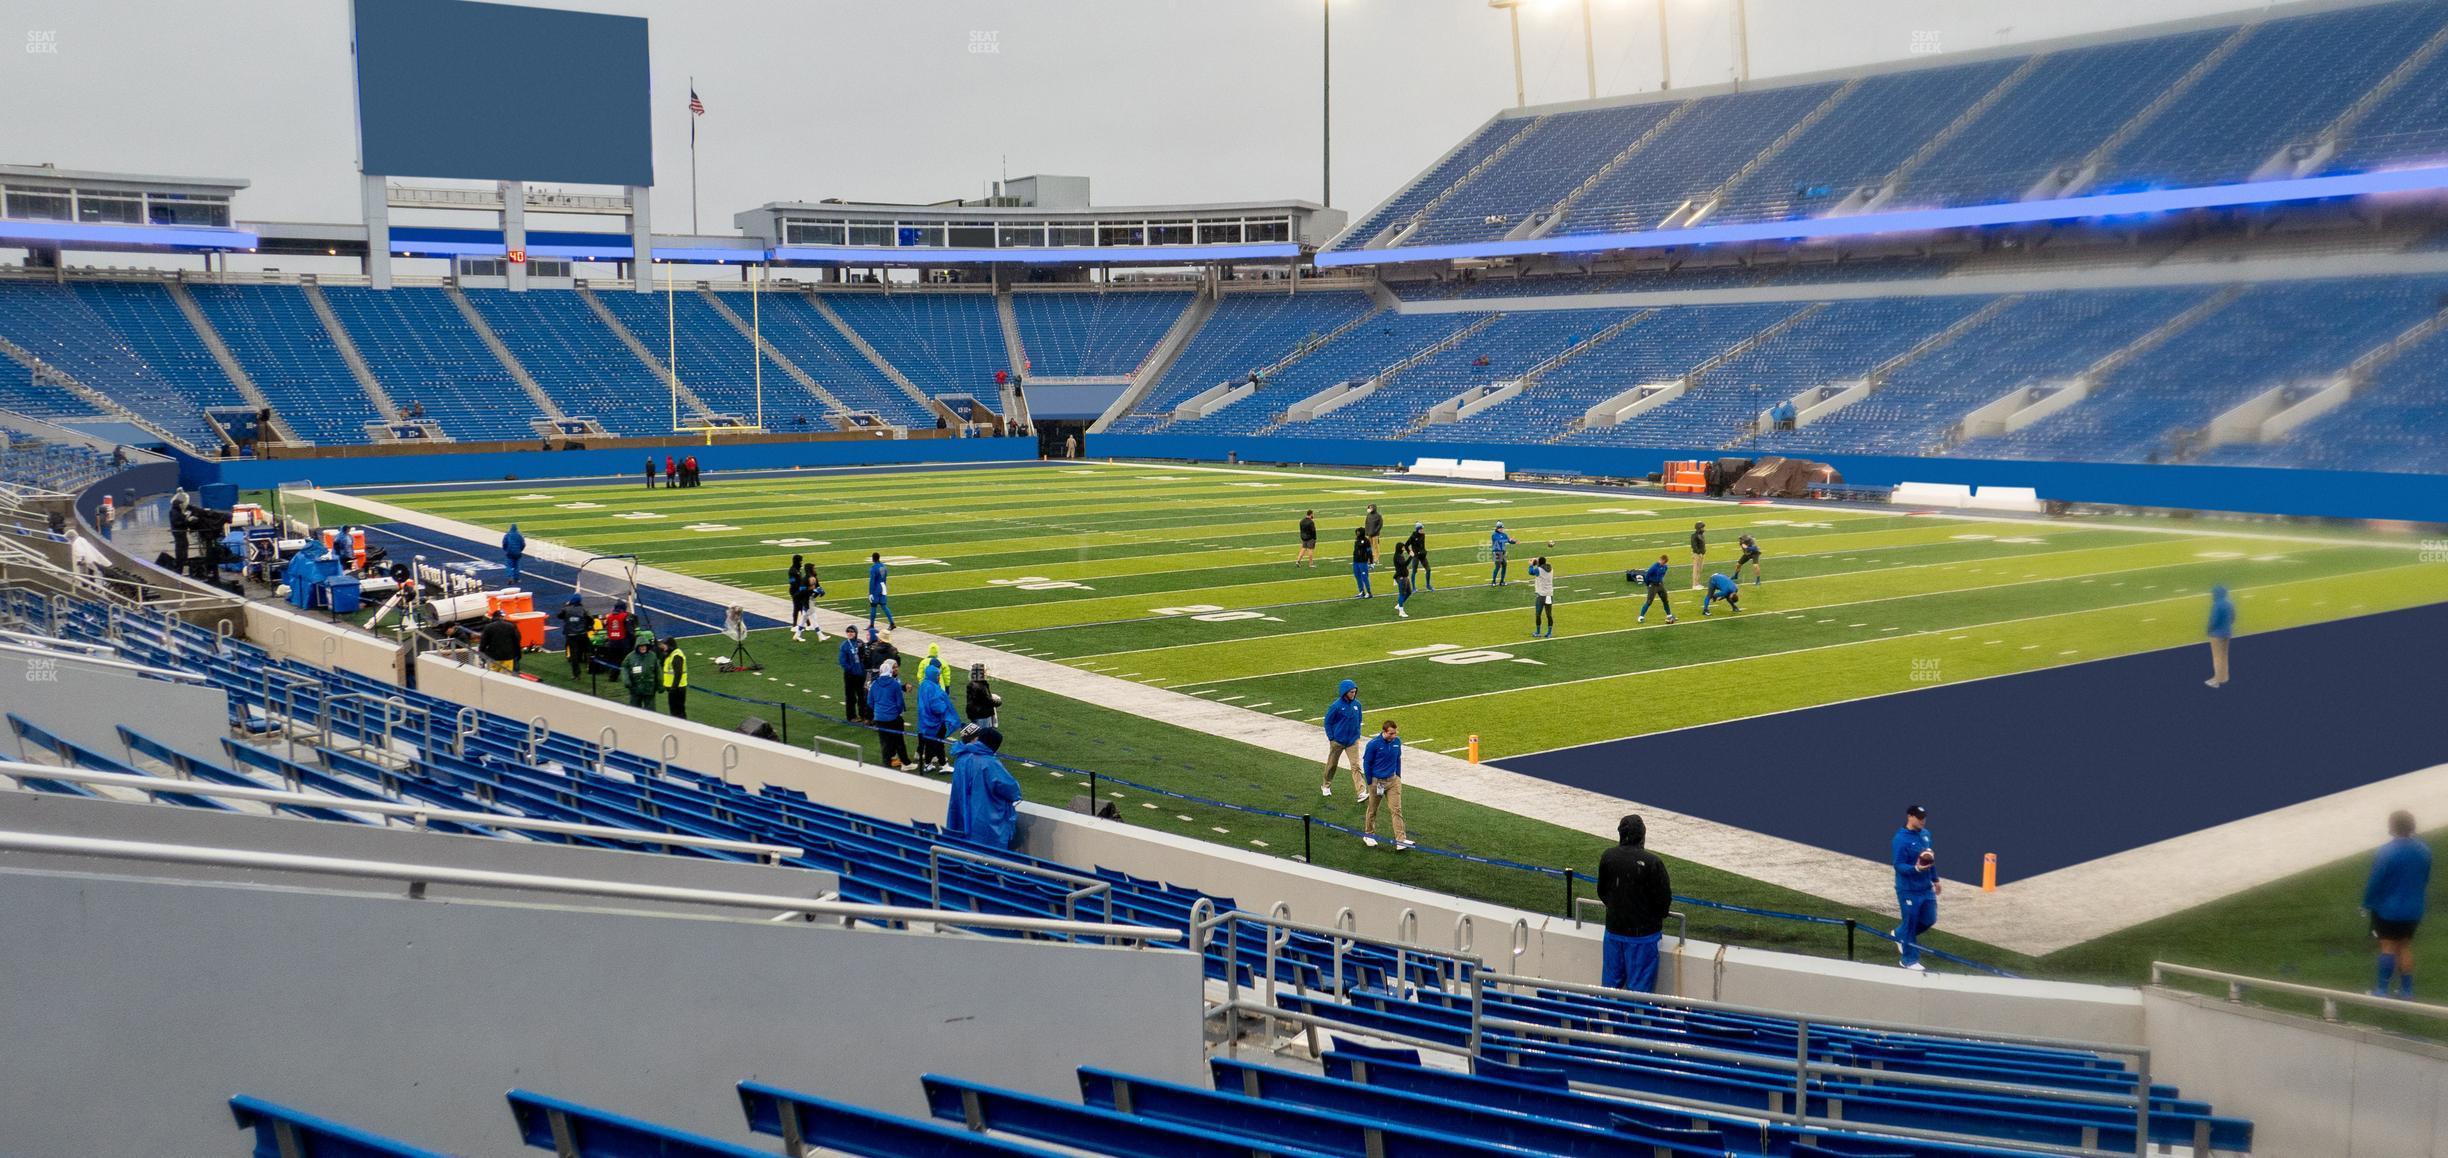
(1928, 858)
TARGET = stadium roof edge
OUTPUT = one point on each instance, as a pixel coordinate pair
(151, 181)
(2228, 19)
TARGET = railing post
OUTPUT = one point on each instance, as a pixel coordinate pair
(1305, 857)
(1850, 925)
(2142, 1102)
(1568, 892)
(1801, 1106)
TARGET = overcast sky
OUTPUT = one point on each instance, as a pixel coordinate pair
(1156, 100)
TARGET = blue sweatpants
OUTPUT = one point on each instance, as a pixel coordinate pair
(1631, 963)
(1498, 575)
(1920, 915)
(1360, 578)
(882, 607)
(513, 562)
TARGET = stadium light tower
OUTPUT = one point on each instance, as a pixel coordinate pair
(1326, 102)
(1589, 46)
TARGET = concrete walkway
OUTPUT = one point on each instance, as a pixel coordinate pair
(2034, 916)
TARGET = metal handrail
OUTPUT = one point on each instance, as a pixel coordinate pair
(858, 755)
(418, 813)
(418, 876)
(1084, 886)
(1279, 928)
(1804, 1069)
(2330, 999)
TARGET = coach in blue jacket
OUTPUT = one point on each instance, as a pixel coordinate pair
(1343, 737)
(985, 805)
(2395, 896)
(1916, 882)
(854, 676)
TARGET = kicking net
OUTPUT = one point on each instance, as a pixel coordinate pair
(607, 579)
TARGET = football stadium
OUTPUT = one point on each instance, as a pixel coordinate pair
(1898, 555)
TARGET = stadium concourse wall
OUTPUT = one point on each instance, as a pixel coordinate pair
(442, 466)
(1549, 946)
(2255, 490)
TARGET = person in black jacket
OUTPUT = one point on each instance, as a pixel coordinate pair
(1699, 548)
(577, 635)
(1418, 542)
(1637, 890)
(1308, 540)
(499, 643)
(985, 707)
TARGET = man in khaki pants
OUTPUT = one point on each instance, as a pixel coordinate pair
(1343, 738)
(1383, 765)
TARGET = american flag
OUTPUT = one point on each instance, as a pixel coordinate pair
(696, 107)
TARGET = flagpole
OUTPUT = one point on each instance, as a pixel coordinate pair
(692, 158)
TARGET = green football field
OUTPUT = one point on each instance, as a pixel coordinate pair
(1182, 578)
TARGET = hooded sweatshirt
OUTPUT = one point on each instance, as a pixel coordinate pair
(934, 670)
(936, 719)
(985, 804)
(1343, 715)
(514, 544)
(2222, 614)
(851, 663)
(1634, 884)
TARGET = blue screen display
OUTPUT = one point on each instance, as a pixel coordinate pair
(448, 88)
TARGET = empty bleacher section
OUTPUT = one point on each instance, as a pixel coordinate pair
(1660, 346)
(2392, 421)
(1353, 356)
(126, 339)
(2149, 408)
(274, 332)
(1069, 334)
(576, 360)
(945, 343)
(2195, 107)
(431, 362)
(1248, 332)
(1837, 342)
(796, 331)
(715, 361)
(2042, 338)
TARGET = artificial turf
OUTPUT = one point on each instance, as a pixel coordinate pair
(1181, 578)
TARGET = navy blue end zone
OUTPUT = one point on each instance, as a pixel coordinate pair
(2054, 768)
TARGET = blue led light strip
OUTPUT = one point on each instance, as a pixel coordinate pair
(2145, 202)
